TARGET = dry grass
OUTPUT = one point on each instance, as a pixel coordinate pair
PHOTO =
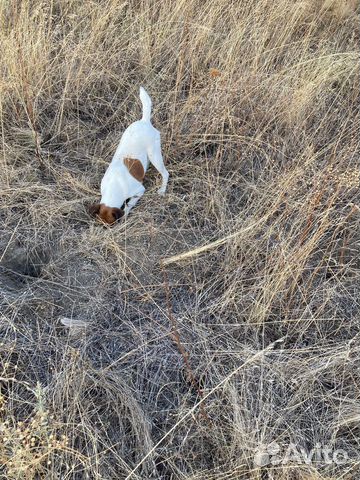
(220, 318)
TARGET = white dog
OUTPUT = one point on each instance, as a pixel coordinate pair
(121, 186)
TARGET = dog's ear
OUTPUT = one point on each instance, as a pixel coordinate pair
(118, 213)
(94, 209)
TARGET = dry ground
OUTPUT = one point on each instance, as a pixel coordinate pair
(174, 369)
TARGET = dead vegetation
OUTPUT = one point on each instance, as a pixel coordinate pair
(214, 321)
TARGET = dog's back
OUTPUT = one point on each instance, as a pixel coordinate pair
(136, 141)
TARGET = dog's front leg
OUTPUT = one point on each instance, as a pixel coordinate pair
(133, 201)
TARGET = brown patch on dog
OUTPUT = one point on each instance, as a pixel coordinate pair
(135, 168)
(106, 214)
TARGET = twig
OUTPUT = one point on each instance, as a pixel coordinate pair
(210, 246)
(176, 337)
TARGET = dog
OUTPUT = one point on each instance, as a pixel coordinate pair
(122, 184)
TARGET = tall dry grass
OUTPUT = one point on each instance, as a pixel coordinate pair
(212, 322)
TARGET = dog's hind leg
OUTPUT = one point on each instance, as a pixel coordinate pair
(155, 157)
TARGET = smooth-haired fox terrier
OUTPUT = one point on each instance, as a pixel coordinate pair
(121, 186)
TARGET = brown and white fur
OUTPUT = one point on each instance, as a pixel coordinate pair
(121, 186)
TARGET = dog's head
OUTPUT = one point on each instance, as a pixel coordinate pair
(108, 215)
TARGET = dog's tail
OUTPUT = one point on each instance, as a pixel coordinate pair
(146, 104)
